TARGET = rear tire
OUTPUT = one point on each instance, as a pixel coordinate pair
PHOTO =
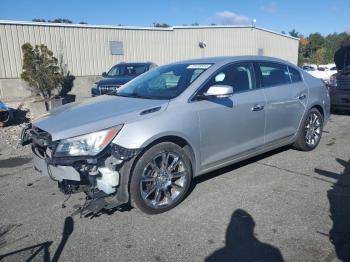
(161, 178)
(310, 133)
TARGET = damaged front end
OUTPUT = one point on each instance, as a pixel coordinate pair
(103, 177)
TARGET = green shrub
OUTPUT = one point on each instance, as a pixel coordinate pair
(41, 70)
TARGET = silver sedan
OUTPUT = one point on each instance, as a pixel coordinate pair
(145, 143)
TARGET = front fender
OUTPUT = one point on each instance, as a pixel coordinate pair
(182, 124)
(178, 122)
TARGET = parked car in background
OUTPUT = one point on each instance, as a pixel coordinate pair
(309, 67)
(118, 75)
(331, 71)
(315, 72)
(339, 83)
(147, 142)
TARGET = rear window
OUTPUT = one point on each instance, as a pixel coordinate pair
(274, 74)
(127, 70)
(294, 74)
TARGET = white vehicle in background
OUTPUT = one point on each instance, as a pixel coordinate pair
(312, 70)
(332, 71)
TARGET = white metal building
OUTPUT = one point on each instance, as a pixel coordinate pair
(88, 50)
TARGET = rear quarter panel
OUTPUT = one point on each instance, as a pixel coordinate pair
(318, 95)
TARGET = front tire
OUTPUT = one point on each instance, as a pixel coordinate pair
(161, 178)
(310, 134)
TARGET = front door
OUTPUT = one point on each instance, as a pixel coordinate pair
(231, 126)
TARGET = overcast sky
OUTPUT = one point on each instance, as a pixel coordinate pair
(305, 16)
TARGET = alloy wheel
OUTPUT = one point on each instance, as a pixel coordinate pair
(313, 129)
(163, 180)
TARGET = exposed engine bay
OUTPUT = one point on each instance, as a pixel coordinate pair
(102, 177)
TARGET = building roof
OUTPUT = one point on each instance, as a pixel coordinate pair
(172, 28)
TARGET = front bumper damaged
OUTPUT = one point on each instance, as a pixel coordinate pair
(104, 178)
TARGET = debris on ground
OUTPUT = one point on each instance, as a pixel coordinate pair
(10, 132)
(6, 114)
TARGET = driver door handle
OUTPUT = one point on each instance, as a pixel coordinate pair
(301, 97)
(257, 107)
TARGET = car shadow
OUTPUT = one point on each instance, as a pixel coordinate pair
(109, 212)
(340, 112)
(41, 251)
(339, 202)
(197, 180)
(207, 176)
(242, 244)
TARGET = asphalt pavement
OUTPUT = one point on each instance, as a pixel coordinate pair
(285, 205)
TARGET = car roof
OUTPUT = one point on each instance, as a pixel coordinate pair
(228, 59)
(135, 63)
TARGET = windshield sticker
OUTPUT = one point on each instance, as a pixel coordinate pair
(199, 66)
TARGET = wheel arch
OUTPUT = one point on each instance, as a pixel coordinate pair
(319, 108)
(313, 105)
(178, 140)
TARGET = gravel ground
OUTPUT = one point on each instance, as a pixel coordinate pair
(284, 205)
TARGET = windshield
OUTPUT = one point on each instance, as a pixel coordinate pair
(127, 70)
(165, 82)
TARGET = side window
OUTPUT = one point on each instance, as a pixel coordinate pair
(115, 70)
(274, 74)
(294, 74)
(195, 74)
(239, 76)
(171, 79)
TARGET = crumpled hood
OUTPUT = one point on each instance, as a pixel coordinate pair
(98, 113)
(342, 57)
(119, 80)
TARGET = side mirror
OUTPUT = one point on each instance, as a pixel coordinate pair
(104, 74)
(220, 91)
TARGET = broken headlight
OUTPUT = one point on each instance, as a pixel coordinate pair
(87, 145)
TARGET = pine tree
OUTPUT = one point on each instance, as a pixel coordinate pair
(41, 70)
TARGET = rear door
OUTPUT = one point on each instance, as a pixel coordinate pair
(286, 96)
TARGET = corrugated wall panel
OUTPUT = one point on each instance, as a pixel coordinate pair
(9, 57)
(86, 50)
(2, 50)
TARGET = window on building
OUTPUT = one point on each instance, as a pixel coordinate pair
(260, 51)
(117, 48)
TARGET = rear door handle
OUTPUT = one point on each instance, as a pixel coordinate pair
(302, 96)
(257, 108)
